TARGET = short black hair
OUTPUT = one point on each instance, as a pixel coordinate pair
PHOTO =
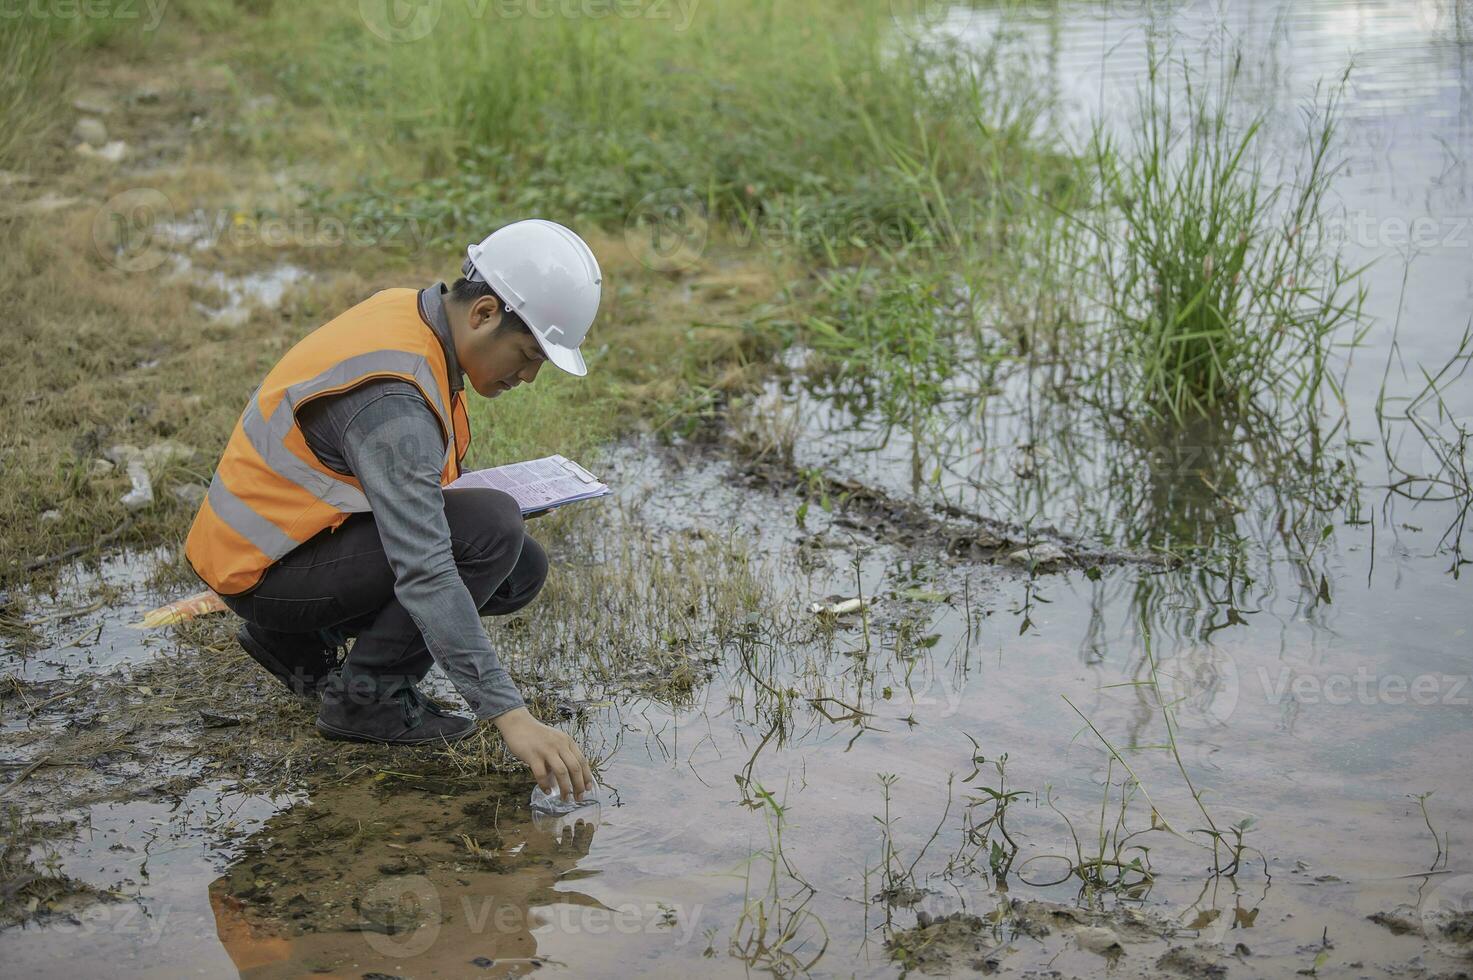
(469, 290)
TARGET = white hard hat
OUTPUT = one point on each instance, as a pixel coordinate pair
(546, 275)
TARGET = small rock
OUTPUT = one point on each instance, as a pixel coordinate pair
(189, 493)
(166, 451)
(155, 456)
(150, 92)
(1040, 555)
(102, 467)
(213, 720)
(990, 539)
(51, 516)
(121, 453)
(1098, 939)
(90, 131)
(113, 152)
(837, 605)
(1400, 921)
(1191, 963)
(92, 104)
(49, 202)
(141, 494)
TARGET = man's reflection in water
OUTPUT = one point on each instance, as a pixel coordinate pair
(402, 873)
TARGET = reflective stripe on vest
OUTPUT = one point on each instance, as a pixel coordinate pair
(268, 436)
(270, 493)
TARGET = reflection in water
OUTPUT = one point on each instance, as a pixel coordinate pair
(410, 871)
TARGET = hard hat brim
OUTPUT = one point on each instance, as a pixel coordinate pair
(568, 359)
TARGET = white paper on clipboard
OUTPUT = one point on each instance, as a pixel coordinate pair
(538, 484)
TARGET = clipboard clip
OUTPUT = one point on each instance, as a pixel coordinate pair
(576, 470)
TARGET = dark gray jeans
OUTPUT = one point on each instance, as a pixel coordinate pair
(341, 580)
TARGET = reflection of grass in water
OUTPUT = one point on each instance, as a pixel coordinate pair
(893, 333)
(1227, 844)
(777, 932)
(1198, 398)
(32, 885)
(626, 611)
(1441, 476)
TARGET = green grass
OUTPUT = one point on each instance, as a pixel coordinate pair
(1219, 292)
(774, 116)
(556, 415)
(37, 54)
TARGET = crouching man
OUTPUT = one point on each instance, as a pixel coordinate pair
(328, 516)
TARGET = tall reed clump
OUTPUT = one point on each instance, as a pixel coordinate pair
(1220, 289)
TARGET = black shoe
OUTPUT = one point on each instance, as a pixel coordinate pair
(301, 661)
(356, 712)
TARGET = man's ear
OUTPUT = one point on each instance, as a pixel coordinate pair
(485, 311)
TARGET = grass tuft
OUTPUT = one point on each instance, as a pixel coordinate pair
(1219, 291)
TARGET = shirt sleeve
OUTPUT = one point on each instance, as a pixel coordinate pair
(395, 447)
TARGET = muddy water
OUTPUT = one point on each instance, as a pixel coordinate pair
(1317, 695)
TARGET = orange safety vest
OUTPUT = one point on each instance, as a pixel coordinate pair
(270, 492)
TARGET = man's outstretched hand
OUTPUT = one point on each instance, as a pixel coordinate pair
(552, 754)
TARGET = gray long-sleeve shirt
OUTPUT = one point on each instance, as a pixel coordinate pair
(385, 434)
